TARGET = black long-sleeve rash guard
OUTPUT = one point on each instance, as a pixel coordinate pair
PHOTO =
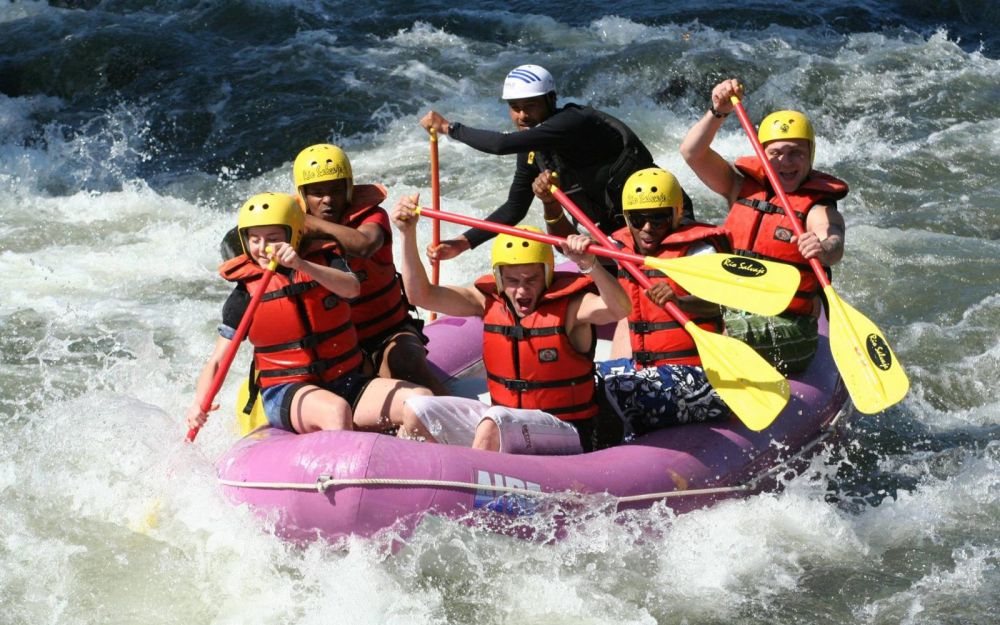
(579, 139)
(514, 210)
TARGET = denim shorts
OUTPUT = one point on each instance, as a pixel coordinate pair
(278, 399)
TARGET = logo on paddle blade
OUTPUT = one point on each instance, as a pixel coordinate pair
(744, 267)
(878, 352)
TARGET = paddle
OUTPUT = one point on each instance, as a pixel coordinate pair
(234, 345)
(760, 287)
(872, 374)
(436, 203)
(752, 389)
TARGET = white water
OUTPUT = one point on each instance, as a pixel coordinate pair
(108, 304)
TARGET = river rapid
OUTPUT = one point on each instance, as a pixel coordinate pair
(131, 131)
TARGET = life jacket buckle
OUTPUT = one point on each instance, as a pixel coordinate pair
(643, 357)
(516, 385)
(516, 332)
(640, 327)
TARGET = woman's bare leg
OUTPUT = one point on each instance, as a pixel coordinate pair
(384, 402)
(315, 409)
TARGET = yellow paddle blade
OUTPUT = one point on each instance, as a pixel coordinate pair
(750, 386)
(757, 286)
(248, 422)
(872, 374)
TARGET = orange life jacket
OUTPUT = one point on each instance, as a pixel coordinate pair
(301, 332)
(760, 228)
(656, 337)
(530, 361)
(381, 305)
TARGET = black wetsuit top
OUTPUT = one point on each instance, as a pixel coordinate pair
(593, 152)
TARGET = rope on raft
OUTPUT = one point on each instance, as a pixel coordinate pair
(325, 482)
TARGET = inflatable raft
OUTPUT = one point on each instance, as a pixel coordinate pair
(332, 485)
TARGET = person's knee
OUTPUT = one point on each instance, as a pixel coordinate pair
(341, 418)
(329, 415)
(410, 397)
(411, 425)
(406, 359)
(336, 416)
(403, 353)
(487, 436)
(419, 391)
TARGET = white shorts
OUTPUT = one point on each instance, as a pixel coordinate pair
(453, 421)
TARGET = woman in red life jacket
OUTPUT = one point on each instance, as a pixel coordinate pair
(655, 378)
(538, 339)
(391, 338)
(759, 226)
(305, 347)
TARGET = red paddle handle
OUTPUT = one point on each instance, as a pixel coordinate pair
(436, 204)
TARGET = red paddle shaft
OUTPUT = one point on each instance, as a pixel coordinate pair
(603, 239)
(436, 204)
(482, 224)
(776, 184)
(234, 345)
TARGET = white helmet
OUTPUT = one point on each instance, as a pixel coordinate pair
(527, 81)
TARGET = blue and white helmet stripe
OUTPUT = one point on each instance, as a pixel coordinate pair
(527, 81)
(523, 74)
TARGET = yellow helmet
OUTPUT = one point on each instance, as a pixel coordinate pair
(271, 209)
(784, 125)
(653, 188)
(511, 250)
(322, 162)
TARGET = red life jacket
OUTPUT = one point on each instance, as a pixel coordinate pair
(656, 337)
(382, 304)
(530, 361)
(301, 332)
(760, 228)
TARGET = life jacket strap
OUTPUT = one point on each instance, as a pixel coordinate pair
(307, 342)
(645, 358)
(520, 386)
(520, 333)
(317, 368)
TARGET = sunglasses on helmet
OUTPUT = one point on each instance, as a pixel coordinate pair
(656, 219)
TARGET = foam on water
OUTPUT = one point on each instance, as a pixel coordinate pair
(110, 300)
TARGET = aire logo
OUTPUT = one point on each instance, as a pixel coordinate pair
(514, 504)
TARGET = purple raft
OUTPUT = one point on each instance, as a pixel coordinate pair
(332, 485)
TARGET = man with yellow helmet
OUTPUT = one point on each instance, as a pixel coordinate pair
(306, 356)
(538, 340)
(759, 226)
(655, 378)
(391, 339)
